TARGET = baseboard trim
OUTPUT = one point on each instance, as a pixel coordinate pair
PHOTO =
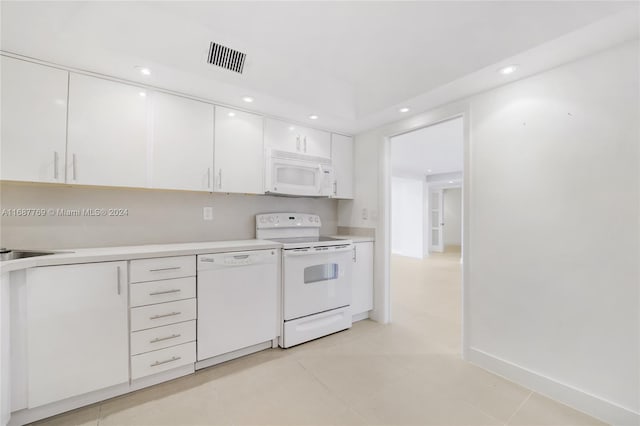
(233, 355)
(29, 415)
(361, 316)
(599, 408)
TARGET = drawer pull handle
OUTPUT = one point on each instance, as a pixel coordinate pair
(165, 269)
(173, 358)
(165, 315)
(162, 339)
(156, 293)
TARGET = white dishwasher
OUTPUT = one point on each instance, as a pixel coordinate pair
(238, 301)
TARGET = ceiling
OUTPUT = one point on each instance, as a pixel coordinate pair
(431, 150)
(351, 63)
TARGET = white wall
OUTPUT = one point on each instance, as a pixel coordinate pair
(452, 217)
(154, 216)
(407, 217)
(551, 254)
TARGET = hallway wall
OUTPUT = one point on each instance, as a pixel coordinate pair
(541, 208)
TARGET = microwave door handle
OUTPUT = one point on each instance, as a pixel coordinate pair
(321, 178)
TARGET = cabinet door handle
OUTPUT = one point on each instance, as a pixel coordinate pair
(208, 177)
(220, 179)
(118, 272)
(55, 165)
(305, 144)
(162, 339)
(355, 253)
(335, 187)
(73, 166)
(157, 293)
(173, 358)
(165, 269)
(298, 142)
(171, 314)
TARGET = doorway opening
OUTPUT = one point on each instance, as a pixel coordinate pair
(427, 167)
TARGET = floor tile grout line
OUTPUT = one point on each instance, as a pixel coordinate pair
(519, 407)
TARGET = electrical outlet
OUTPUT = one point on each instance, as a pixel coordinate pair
(207, 213)
(365, 214)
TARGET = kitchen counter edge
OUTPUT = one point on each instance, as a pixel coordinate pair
(108, 254)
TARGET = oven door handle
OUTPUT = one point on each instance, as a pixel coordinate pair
(311, 252)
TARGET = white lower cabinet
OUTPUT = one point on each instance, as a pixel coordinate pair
(362, 283)
(163, 314)
(162, 360)
(77, 331)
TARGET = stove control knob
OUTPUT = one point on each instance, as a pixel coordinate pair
(270, 219)
(263, 219)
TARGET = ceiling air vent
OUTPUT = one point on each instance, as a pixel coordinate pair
(226, 58)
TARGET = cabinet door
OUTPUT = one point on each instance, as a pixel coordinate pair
(239, 152)
(316, 143)
(182, 155)
(282, 136)
(342, 161)
(34, 121)
(362, 284)
(77, 330)
(107, 142)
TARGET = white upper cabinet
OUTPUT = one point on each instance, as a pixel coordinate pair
(107, 140)
(343, 165)
(182, 152)
(77, 330)
(239, 152)
(34, 121)
(298, 139)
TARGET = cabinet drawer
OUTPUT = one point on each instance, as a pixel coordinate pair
(162, 337)
(162, 314)
(162, 360)
(162, 268)
(162, 291)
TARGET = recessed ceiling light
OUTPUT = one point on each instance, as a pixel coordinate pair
(247, 99)
(144, 70)
(291, 128)
(232, 114)
(404, 109)
(509, 69)
(143, 94)
(450, 181)
(313, 117)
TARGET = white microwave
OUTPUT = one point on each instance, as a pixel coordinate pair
(289, 173)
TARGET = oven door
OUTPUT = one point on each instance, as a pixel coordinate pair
(316, 279)
(298, 177)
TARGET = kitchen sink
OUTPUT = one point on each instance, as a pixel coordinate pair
(21, 254)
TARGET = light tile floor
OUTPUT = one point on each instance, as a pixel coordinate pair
(405, 373)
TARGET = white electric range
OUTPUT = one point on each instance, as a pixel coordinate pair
(316, 276)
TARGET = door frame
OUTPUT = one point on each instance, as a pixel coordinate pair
(458, 110)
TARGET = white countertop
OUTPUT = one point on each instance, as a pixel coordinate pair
(355, 238)
(104, 254)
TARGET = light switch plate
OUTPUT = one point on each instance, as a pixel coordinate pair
(207, 213)
(365, 214)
